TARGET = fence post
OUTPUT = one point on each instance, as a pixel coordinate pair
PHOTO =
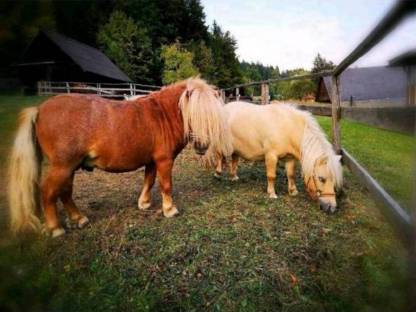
(131, 89)
(67, 87)
(237, 94)
(336, 114)
(223, 96)
(264, 93)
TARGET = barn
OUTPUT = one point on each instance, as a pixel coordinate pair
(54, 57)
(367, 86)
(407, 61)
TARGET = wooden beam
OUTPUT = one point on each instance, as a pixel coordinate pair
(397, 216)
(336, 114)
(396, 14)
(268, 81)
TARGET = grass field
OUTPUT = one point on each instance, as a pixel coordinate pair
(230, 249)
(388, 156)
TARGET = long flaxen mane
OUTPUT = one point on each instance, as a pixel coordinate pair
(204, 116)
(315, 145)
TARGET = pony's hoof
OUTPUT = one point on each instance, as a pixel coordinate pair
(273, 196)
(57, 232)
(293, 192)
(170, 212)
(144, 206)
(82, 222)
(234, 178)
(77, 223)
(217, 175)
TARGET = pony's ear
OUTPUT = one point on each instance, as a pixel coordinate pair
(322, 160)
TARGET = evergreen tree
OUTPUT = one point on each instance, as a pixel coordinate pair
(321, 64)
(227, 68)
(128, 45)
(19, 24)
(203, 59)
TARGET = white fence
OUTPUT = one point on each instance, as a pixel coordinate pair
(110, 90)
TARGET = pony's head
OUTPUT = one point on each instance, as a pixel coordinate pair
(204, 117)
(322, 170)
(324, 181)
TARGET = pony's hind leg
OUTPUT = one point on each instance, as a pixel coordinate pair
(290, 173)
(164, 172)
(144, 201)
(271, 163)
(234, 167)
(56, 179)
(75, 218)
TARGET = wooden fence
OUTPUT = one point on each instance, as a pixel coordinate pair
(400, 219)
(110, 90)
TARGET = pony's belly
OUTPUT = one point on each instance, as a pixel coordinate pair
(120, 165)
(117, 160)
(249, 153)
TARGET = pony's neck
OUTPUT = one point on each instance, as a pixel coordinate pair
(168, 99)
(314, 145)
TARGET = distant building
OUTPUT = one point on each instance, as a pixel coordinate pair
(408, 62)
(369, 86)
(55, 57)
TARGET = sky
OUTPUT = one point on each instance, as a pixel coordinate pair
(290, 33)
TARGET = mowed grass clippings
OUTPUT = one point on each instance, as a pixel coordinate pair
(230, 249)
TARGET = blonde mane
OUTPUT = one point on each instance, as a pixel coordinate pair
(204, 116)
(315, 145)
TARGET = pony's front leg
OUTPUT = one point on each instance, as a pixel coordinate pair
(290, 173)
(271, 163)
(144, 201)
(164, 172)
(218, 166)
(233, 167)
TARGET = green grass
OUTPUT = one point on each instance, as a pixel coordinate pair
(388, 156)
(230, 249)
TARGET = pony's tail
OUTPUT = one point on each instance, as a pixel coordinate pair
(24, 174)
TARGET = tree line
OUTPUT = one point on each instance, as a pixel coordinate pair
(152, 41)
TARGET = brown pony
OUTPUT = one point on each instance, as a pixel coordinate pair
(83, 131)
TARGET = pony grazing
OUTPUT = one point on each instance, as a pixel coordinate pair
(283, 132)
(76, 131)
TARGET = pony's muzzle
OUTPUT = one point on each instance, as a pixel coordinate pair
(327, 206)
(200, 148)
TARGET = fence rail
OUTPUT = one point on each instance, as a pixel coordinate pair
(110, 90)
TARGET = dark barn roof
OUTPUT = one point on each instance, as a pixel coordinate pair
(406, 59)
(370, 83)
(88, 58)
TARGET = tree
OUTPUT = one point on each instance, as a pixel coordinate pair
(128, 45)
(294, 89)
(177, 63)
(321, 64)
(227, 67)
(203, 59)
(20, 21)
